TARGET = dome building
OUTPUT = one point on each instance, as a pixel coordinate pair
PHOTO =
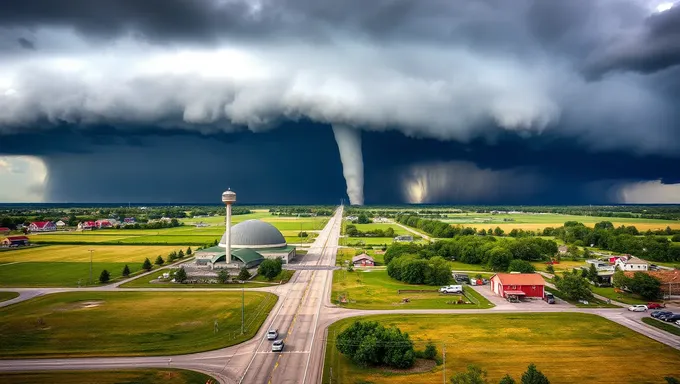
(252, 241)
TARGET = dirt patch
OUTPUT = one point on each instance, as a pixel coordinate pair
(89, 304)
(190, 323)
(420, 366)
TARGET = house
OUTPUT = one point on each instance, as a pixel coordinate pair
(614, 259)
(562, 249)
(87, 226)
(60, 224)
(352, 218)
(518, 285)
(103, 223)
(632, 264)
(42, 226)
(363, 260)
(14, 241)
(129, 220)
(405, 238)
(4, 231)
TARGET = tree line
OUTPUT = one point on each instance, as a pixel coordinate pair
(352, 231)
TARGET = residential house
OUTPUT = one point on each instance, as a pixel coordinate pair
(404, 238)
(632, 264)
(42, 226)
(562, 249)
(103, 223)
(14, 241)
(87, 226)
(129, 220)
(363, 260)
(60, 224)
(4, 231)
(518, 285)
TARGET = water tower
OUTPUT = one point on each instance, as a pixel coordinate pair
(228, 198)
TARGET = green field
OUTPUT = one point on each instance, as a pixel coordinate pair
(384, 226)
(668, 327)
(567, 347)
(67, 265)
(150, 281)
(526, 221)
(127, 376)
(4, 296)
(374, 289)
(623, 297)
(128, 323)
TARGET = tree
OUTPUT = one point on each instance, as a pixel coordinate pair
(159, 260)
(181, 275)
(522, 266)
(104, 277)
(534, 376)
(147, 265)
(498, 231)
(189, 251)
(474, 375)
(592, 273)
(180, 254)
(270, 268)
(171, 257)
(126, 271)
(645, 285)
(430, 352)
(550, 269)
(507, 380)
(370, 344)
(498, 259)
(671, 380)
(574, 286)
(619, 279)
(350, 267)
(243, 274)
(223, 276)
(363, 219)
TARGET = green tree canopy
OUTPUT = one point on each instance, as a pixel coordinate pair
(370, 344)
(645, 285)
(147, 265)
(473, 375)
(270, 268)
(126, 271)
(507, 379)
(534, 376)
(104, 277)
(574, 286)
(159, 260)
(243, 274)
(223, 276)
(522, 266)
(181, 275)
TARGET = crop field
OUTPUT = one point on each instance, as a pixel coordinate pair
(131, 376)
(374, 289)
(567, 347)
(508, 222)
(69, 265)
(129, 323)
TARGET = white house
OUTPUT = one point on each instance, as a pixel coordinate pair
(632, 264)
(60, 224)
(42, 226)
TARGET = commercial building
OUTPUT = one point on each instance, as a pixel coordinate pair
(530, 285)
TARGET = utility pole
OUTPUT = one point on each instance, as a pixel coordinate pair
(243, 306)
(91, 252)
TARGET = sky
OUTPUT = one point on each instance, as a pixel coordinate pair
(314, 101)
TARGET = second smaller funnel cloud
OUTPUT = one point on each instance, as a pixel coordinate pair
(349, 145)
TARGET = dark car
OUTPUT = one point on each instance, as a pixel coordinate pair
(549, 298)
(672, 318)
(461, 278)
(665, 315)
(658, 314)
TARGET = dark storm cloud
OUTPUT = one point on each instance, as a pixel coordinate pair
(26, 44)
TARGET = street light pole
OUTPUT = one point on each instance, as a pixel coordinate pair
(91, 251)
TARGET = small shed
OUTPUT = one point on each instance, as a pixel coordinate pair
(363, 260)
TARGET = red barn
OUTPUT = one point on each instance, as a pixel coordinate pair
(518, 284)
(14, 241)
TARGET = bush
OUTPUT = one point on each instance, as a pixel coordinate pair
(223, 276)
(369, 344)
(550, 269)
(126, 271)
(104, 277)
(430, 352)
(243, 274)
(147, 265)
(180, 254)
(270, 268)
(521, 266)
(189, 251)
(645, 285)
(534, 376)
(473, 375)
(573, 286)
(159, 260)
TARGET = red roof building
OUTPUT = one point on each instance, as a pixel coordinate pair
(518, 284)
(42, 226)
(14, 241)
(103, 224)
(4, 230)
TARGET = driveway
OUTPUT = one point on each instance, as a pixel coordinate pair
(530, 305)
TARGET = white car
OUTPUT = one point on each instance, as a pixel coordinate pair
(677, 322)
(277, 346)
(638, 308)
(272, 334)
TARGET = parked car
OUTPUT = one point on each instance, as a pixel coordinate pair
(277, 346)
(272, 334)
(672, 318)
(677, 322)
(655, 305)
(638, 308)
(451, 289)
(461, 278)
(658, 314)
(664, 316)
(549, 298)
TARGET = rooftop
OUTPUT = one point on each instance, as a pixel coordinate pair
(255, 234)
(520, 278)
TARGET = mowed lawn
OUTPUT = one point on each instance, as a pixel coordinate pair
(128, 323)
(383, 226)
(567, 347)
(540, 221)
(131, 376)
(69, 265)
(4, 296)
(374, 289)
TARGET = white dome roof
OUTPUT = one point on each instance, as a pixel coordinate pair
(254, 234)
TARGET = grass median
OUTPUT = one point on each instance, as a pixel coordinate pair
(668, 327)
(129, 323)
(567, 347)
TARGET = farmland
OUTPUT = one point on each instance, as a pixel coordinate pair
(67, 265)
(128, 323)
(373, 289)
(567, 347)
(131, 376)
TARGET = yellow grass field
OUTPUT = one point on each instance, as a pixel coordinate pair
(567, 347)
(507, 227)
(80, 253)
